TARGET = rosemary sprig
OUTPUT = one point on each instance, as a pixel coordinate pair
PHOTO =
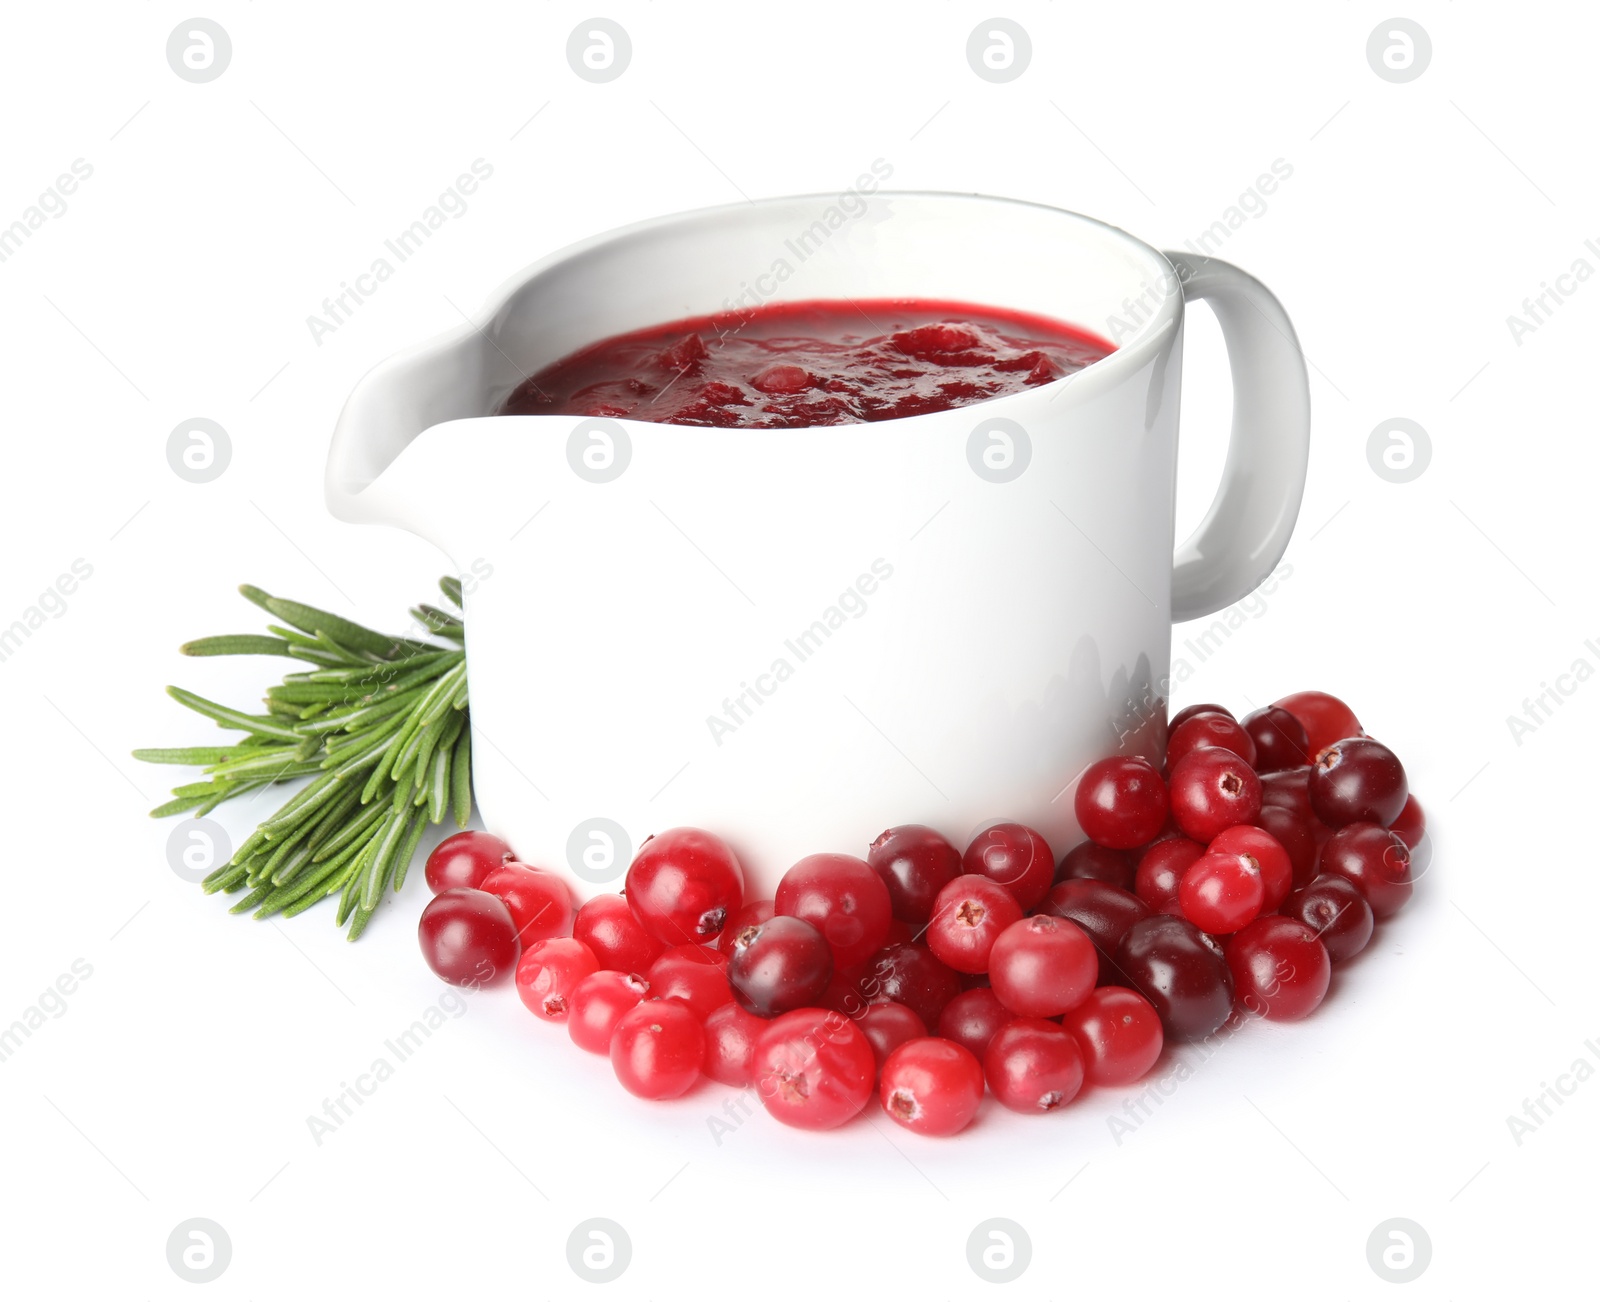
(380, 726)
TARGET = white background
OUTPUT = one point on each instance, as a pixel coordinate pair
(178, 282)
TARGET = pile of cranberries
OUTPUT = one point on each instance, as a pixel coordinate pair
(1222, 887)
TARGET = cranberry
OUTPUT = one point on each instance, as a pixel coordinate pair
(752, 914)
(1411, 824)
(464, 859)
(1015, 857)
(1357, 780)
(1160, 870)
(657, 1049)
(887, 1026)
(1181, 971)
(597, 1005)
(1289, 788)
(1337, 911)
(468, 937)
(1213, 790)
(1262, 851)
(1121, 802)
(1103, 911)
(813, 1068)
(1119, 1034)
(1279, 737)
(972, 1018)
(1033, 1065)
(1325, 718)
(607, 926)
(540, 903)
(1221, 892)
(1280, 969)
(843, 898)
(1209, 730)
(779, 965)
(915, 862)
(910, 975)
(1376, 861)
(1190, 711)
(684, 885)
(1042, 966)
(702, 986)
(1087, 861)
(932, 1086)
(1294, 834)
(731, 1035)
(549, 972)
(968, 917)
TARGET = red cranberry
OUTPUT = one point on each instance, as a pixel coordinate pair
(464, 860)
(468, 937)
(1294, 834)
(1337, 911)
(597, 1005)
(684, 885)
(779, 965)
(887, 1026)
(1103, 911)
(731, 1035)
(813, 1069)
(1213, 790)
(548, 974)
(1119, 1034)
(1221, 892)
(843, 898)
(1161, 869)
(540, 903)
(1033, 1065)
(1190, 711)
(752, 914)
(657, 1049)
(1121, 802)
(915, 862)
(910, 975)
(1325, 718)
(1181, 971)
(1262, 851)
(1411, 824)
(1280, 739)
(932, 1086)
(607, 926)
(972, 1018)
(1042, 966)
(968, 917)
(1087, 861)
(1280, 969)
(1209, 730)
(1376, 861)
(1357, 780)
(702, 986)
(1015, 857)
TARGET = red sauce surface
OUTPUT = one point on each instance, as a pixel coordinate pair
(791, 365)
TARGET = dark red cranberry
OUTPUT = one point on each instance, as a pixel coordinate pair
(1033, 1065)
(1357, 780)
(1087, 861)
(468, 937)
(1376, 861)
(1290, 788)
(1190, 711)
(1103, 911)
(843, 898)
(932, 1086)
(968, 917)
(1209, 730)
(684, 885)
(1121, 802)
(1325, 718)
(1294, 834)
(607, 926)
(1280, 969)
(910, 975)
(1336, 911)
(972, 1018)
(888, 1025)
(1280, 739)
(915, 862)
(1015, 857)
(1181, 971)
(1212, 790)
(1160, 870)
(752, 914)
(1411, 825)
(779, 965)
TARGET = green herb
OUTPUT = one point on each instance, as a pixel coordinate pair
(379, 725)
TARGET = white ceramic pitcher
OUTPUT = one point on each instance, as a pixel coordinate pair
(797, 638)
